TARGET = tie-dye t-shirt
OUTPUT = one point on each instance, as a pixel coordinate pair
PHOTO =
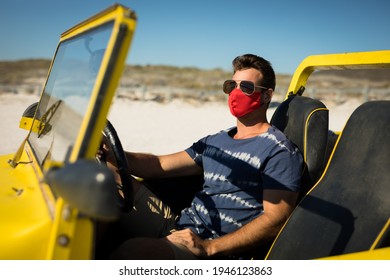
(235, 173)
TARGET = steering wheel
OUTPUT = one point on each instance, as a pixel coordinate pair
(125, 202)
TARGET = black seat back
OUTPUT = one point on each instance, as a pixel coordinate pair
(305, 122)
(349, 208)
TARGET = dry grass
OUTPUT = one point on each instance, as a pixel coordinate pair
(18, 72)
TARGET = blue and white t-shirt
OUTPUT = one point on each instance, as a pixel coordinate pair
(236, 172)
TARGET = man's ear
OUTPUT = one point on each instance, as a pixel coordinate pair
(267, 95)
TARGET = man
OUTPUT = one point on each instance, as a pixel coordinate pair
(252, 178)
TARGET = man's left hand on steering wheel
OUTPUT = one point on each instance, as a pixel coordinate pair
(112, 154)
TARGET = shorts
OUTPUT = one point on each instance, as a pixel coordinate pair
(150, 217)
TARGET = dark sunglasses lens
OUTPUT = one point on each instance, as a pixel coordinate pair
(228, 86)
(247, 87)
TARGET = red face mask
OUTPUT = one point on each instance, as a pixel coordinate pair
(241, 104)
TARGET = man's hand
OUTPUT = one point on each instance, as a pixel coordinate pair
(104, 152)
(193, 242)
(105, 155)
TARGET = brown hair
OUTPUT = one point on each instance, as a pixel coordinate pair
(247, 61)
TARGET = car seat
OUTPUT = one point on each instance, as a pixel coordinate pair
(348, 210)
(305, 122)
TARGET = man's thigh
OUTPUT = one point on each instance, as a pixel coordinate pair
(150, 217)
(181, 252)
(143, 248)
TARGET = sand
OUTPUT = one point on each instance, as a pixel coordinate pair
(148, 126)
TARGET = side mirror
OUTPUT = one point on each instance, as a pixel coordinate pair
(87, 186)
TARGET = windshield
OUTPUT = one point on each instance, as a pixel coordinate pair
(67, 93)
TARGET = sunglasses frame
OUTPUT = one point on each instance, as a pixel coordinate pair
(238, 83)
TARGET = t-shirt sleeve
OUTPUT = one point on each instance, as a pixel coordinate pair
(283, 170)
(195, 151)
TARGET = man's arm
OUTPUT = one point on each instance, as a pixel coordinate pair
(153, 166)
(278, 205)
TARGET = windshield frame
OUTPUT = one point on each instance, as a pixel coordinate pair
(112, 64)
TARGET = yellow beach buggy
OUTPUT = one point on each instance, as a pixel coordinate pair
(53, 192)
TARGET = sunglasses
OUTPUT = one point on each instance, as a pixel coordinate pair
(247, 87)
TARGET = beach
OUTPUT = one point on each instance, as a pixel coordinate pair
(149, 126)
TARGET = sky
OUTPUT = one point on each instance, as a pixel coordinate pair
(207, 34)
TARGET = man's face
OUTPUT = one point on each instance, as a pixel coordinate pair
(256, 77)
